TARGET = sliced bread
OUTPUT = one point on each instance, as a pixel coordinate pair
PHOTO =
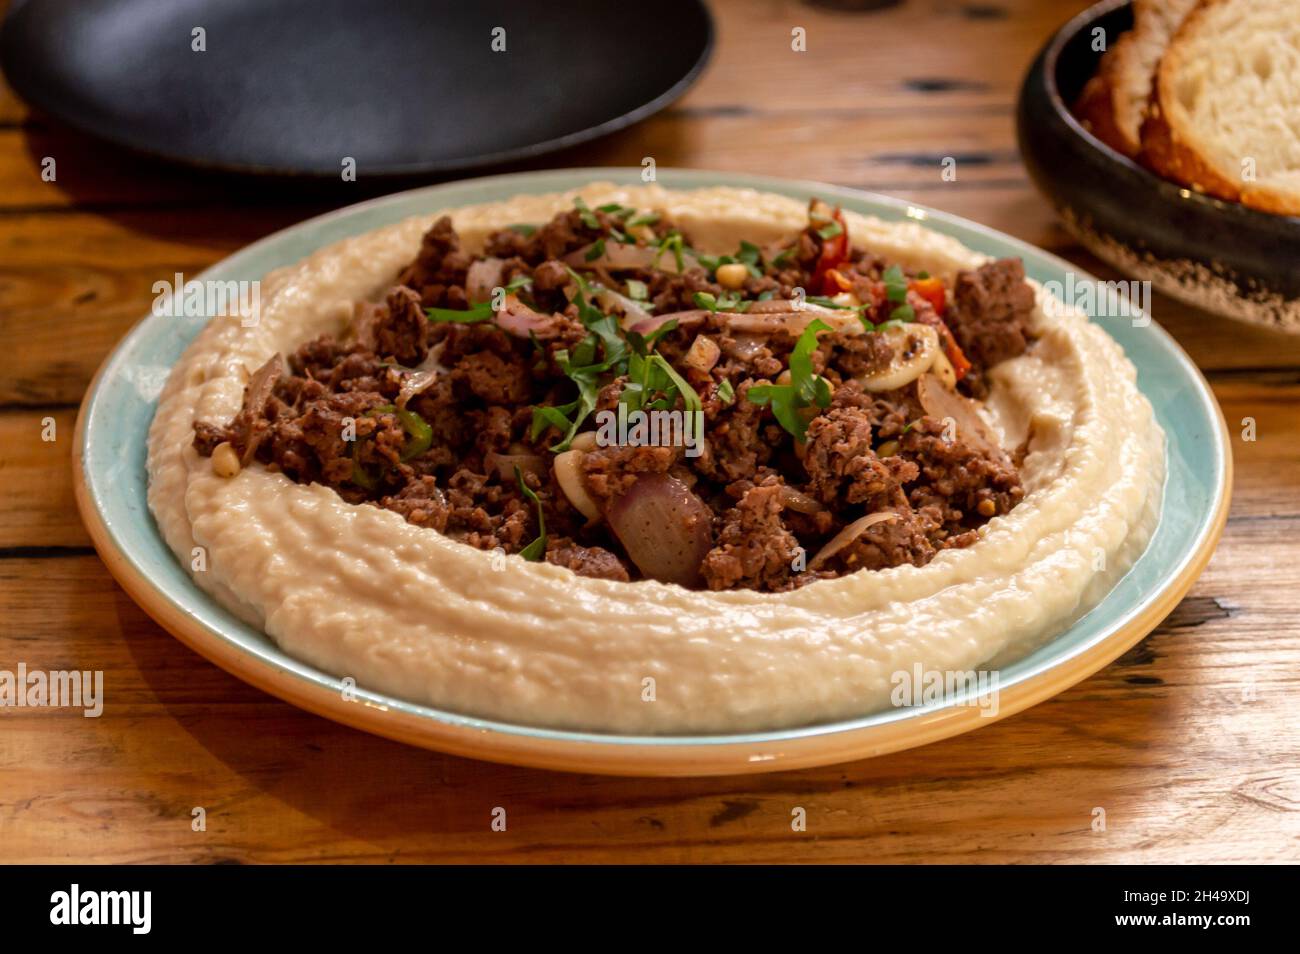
(1114, 102)
(1225, 111)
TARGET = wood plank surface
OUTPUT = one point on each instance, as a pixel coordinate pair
(1189, 742)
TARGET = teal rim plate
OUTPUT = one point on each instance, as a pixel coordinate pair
(111, 485)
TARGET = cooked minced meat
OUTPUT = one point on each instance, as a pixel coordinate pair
(468, 401)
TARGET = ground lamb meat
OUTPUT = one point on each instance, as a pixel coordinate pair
(902, 540)
(595, 562)
(844, 469)
(421, 503)
(957, 479)
(467, 445)
(438, 272)
(992, 308)
(610, 471)
(403, 333)
(754, 547)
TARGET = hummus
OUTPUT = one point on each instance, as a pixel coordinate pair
(357, 591)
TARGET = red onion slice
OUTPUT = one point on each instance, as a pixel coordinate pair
(684, 319)
(518, 319)
(791, 322)
(633, 311)
(665, 529)
(484, 275)
(618, 255)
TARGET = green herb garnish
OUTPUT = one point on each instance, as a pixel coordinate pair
(588, 217)
(805, 389)
(830, 230)
(537, 549)
(895, 283)
(726, 393)
(672, 242)
(523, 229)
(727, 301)
(637, 291)
(483, 311)
(419, 432)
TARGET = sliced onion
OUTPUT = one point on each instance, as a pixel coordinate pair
(484, 275)
(703, 354)
(633, 310)
(940, 403)
(944, 371)
(799, 501)
(791, 322)
(848, 535)
(619, 255)
(781, 306)
(665, 529)
(420, 378)
(518, 319)
(260, 387)
(568, 474)
(746, 347)
(584, 442)
(915, 346)
(684, 319)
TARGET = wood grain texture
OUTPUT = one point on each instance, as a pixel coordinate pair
(1188, 742)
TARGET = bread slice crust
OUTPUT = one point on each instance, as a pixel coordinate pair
(1169, 145)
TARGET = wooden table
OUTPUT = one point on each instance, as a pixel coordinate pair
(1189, 742)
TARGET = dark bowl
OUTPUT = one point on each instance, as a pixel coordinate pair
(1221, 256)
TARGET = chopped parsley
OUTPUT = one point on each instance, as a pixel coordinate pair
(895, 284)
(727, 301)
(672, 242)
(582, 368)
(537, 549)
(648, 374)
(805, 389)
(830, 230)
(483, 311)
(584, 212)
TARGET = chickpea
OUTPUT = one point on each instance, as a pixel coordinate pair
(732, 275)
(986, 507)
(225, 462)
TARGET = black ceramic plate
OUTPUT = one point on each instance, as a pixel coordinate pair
(1219, 255)
(401, 86)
